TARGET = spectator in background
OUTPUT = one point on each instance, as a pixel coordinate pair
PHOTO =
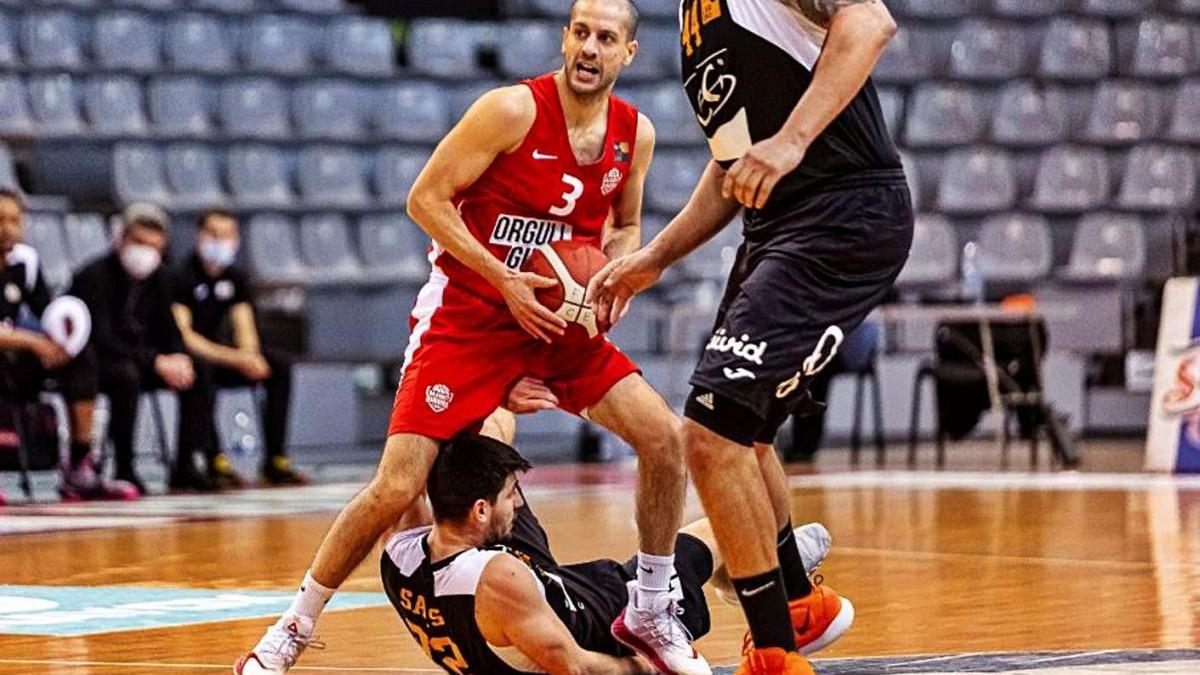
(211, 304)
(136, 342)
(28, 357)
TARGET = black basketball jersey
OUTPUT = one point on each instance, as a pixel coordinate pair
(436, 602)
(746, 63)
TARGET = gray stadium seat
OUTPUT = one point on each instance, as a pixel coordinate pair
(943, 9)
(87, 237)
(395, 171)
(912, 176)
(332, 176)
(714, 259)
(255, 107)
(1158, 178)
(314, 6)
(941, 116)
(138, 174)
(114, 106)
(1185, 7)
(933, 258)
(392, 248)
(10, 56)
(15, 118)
(411, 111)
(181, 106)
(911, 56)
(229, 6)
(1030, 115)
(51, 40)
(127, 41)
(1116, 8)
(198, 42)
(463, 97)
(1025, 8)
(277, 44)
(1075, 49)
(533, 49)
(272, 250)
(8, 172)
(986, 50)
(327, 250)
(1124, 112)
(54, 102)
(149, 4)
(1014, 248)
(442, 48)
(891, 104)
(1071, 180)
(194, 176)
(1165, 48)
(659, 9)
(257, 176)
(43, 231)
(360, 46)
(1107, 247)
(977, 180)
(658, 53)
(672, 178)
(328, 109)
(1185, 114)
(668, 109)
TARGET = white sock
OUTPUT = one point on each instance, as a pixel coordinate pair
(654, 574)
(311, 599)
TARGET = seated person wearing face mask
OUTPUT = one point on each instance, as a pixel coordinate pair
(136, 343)
(211, 304)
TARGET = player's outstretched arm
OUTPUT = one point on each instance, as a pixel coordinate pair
(624, 234)
(511, 611)
(496, 124)
(857, 33)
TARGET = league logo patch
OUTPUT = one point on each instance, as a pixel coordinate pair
(438, 397)
(621, 151)
(611, 180)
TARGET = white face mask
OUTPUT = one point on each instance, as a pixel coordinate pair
(140, 261)
(218, 253)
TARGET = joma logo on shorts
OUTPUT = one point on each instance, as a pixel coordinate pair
(525, 234)
(743, 347)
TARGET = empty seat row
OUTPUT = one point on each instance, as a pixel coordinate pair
(1026, 114)
(189, 176)
(1069, 179)
(243, 107)
(65, 243)
(138, 41)
(231, 6)
(1017, 247)
(1067, 48)
(952, 9)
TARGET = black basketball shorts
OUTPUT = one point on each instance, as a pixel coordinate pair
(799, 285)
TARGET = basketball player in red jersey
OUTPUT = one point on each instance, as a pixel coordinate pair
(556, 157)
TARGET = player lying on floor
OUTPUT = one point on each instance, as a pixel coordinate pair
(480, 591)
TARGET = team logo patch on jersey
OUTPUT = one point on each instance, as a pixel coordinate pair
(438, 396)
(621, 151)
(611, 180)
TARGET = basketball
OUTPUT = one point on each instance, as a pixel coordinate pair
(573, 263)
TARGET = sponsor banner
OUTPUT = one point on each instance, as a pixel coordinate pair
(1173, 439)
(84, 610)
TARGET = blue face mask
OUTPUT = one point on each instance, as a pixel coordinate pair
(219, 254)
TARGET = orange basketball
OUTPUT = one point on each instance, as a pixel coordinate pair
(573, 264)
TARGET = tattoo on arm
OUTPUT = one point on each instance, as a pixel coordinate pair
(821, 11)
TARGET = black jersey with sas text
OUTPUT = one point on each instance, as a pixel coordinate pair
(22, 284)
(746, 63)
(209, 298)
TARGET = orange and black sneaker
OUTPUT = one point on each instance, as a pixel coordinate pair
(818, 620)
(774, 661)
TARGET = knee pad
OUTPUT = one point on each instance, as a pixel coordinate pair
(723, 416)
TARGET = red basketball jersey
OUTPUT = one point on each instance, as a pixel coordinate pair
(539, 193)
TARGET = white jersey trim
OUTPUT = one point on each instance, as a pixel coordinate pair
(780, 25)
(429, 299)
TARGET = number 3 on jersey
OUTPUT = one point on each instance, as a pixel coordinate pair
(572, 194)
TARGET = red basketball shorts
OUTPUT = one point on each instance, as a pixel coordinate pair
(465, 355)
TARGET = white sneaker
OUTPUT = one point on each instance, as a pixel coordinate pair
(813, 541)
(656, 633)
(278, 650)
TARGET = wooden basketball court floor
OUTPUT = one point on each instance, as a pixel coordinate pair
(1057, 573)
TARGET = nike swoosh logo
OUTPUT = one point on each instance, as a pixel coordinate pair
(538, 155)
(645, 569)
(750, 593)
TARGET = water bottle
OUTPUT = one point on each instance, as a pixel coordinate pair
(972, 277)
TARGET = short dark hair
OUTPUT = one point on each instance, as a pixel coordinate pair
(13, 194)
(213, 212)
(470, 467)
(631, 26)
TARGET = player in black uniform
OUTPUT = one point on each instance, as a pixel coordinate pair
(781, 89)
(481, 593)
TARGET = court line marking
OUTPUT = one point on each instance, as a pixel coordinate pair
(203, 666)
(978, 480)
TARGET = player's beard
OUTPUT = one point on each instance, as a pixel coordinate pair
(499, 532)
(605, 80)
